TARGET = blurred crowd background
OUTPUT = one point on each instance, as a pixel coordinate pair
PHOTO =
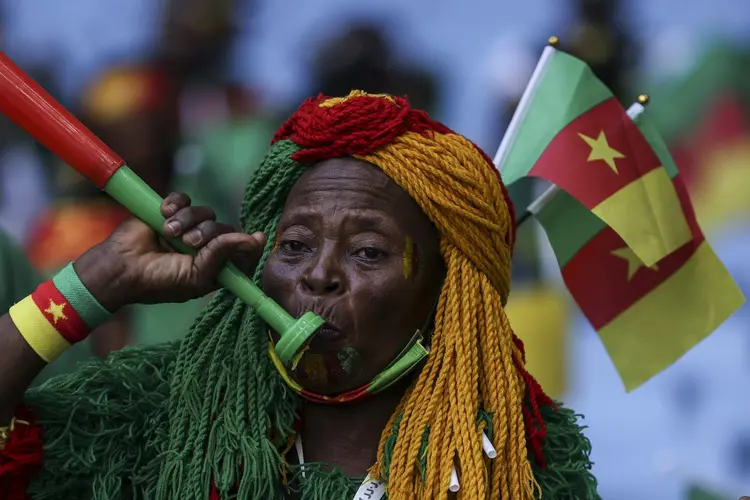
(189, 92)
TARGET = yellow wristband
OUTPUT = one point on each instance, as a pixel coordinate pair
(41, 336)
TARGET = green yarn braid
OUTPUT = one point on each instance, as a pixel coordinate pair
(164, 422)
(226, 398)
(99, 425)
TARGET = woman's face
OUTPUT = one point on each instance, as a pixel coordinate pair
(354, 248)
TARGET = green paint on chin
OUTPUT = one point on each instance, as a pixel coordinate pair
(347, 356)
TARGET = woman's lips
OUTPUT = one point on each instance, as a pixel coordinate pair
(326, 334)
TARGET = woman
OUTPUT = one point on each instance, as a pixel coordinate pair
(394, 229)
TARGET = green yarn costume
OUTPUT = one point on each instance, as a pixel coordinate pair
(164, 422)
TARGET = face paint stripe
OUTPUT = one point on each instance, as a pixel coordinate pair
(408, 260)
(315, 368)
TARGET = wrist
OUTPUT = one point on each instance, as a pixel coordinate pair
(102, 280)
(59, 313)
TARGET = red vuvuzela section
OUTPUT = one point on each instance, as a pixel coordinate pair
(27, 104)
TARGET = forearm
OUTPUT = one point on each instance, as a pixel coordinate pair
(19, 365)
(32, 334)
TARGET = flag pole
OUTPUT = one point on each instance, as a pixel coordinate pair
(538, 204)
(523, 104)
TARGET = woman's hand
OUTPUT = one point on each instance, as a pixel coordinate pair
(135, 265)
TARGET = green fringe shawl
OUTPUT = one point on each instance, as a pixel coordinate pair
(105, 428)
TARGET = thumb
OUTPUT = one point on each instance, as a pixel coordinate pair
(245, 249)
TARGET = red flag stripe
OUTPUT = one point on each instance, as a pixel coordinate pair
(71, 326)
(565, 161)
(598, 279)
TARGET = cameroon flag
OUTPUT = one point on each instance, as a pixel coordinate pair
(574, 133)
(647, 316)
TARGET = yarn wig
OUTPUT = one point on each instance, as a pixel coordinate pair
(211, 417)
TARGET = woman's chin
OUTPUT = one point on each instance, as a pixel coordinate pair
(329, 373)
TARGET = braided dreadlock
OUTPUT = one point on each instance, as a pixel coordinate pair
(172, 423)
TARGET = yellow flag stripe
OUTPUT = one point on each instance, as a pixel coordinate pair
(648, 215)
(545, 336)
(722, 196)
(41, 336)
(662, 326)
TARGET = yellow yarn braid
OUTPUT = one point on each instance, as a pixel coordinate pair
(471, 364)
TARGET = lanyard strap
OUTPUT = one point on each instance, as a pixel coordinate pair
(371, 489)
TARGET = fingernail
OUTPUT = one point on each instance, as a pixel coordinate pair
(170, 209)
(174, 227)
(259, 237)
(193, 238)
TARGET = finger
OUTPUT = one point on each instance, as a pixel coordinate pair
(173, 203)
(186, 219)
(246, 259)
(205, 232)
(212, 257)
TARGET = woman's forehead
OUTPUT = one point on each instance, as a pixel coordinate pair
(346, 177)
(346, 171)
(350, 183)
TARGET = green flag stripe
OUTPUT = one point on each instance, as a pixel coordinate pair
(654, 139)
(569, 225)
(567, 89)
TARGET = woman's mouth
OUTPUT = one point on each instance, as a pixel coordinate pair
(326, 334)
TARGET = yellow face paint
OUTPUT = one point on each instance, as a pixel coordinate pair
(408, 260)
(315, 368)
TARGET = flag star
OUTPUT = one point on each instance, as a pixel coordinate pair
(601, 150)
(634, 263)
(56, 311)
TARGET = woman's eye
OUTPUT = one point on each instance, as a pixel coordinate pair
(370, 253)
(292, 246)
